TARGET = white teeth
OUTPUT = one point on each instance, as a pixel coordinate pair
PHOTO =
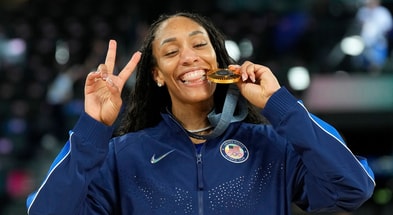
(194, 80)
(192, 76)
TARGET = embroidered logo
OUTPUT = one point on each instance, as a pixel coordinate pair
(154, 160)
(234, 151)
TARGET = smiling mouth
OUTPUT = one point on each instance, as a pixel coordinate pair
(196, 76)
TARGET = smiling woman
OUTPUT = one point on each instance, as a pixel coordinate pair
(187, 55)
(187, 145)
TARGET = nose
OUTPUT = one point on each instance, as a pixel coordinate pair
(188, 56)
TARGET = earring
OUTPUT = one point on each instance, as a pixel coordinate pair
(159, 84)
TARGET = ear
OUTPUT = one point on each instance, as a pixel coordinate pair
(157, 75)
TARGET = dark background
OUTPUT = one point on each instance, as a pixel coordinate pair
(287, 33)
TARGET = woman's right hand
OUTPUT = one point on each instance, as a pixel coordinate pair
(103, 88)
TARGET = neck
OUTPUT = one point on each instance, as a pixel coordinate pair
(193, 117)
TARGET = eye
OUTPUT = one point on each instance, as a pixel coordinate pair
(200, 45)
(170, 53)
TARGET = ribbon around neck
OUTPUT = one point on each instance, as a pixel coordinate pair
(221, 121)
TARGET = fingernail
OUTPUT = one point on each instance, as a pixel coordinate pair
(244, 77)
(233, 66)
(104, 76)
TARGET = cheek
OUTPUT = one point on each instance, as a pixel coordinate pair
(163, 65)
(166, 67)
(212, 57)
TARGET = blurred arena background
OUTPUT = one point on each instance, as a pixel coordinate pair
(48, 47)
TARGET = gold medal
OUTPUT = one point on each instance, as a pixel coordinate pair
(223, 76)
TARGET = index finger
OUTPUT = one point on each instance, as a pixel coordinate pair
(130, 67)
(111, 56)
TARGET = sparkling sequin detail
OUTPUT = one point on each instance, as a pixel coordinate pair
(242, 192)
(174, 199)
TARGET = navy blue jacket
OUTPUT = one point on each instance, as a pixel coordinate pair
(250, 169)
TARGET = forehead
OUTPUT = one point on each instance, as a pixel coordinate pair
(177, 25)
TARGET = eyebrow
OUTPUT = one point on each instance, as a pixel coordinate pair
(171, 39)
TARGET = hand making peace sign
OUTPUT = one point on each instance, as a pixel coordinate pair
(103, 88)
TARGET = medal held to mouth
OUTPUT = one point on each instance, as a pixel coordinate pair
(223, 76)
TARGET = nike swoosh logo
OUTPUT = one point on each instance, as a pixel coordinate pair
(154, 160)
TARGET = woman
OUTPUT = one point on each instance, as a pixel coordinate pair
(189, 146)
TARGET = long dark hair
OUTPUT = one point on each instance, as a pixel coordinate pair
(147, 100)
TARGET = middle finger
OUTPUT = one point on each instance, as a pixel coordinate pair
(111, 56)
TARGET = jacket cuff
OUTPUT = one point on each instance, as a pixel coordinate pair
(278, 105)
(90, 130)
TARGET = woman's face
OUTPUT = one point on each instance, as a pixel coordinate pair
(184, 54)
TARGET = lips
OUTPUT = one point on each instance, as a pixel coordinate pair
(195, 76)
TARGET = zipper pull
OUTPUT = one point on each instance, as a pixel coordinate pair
(199, 169)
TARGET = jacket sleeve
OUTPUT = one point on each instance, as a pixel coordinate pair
(65, 188)
(326, 175)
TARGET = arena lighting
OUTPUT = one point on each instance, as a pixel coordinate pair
(383, 196)
(12, 50)
(232, 49)
(16, 47)
(62, 54)
(357, 93)
(352, 45)
(299, 78)
(246, 48)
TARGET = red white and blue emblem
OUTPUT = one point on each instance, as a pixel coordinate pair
(234, 151)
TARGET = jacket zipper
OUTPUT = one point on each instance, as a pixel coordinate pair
(200, 183)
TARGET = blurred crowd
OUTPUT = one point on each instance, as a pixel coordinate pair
(48, 47)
